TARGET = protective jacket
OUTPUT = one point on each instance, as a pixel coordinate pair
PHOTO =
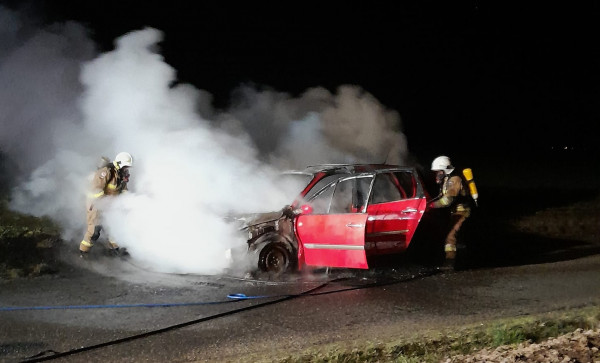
(453, 194)
(106, 181)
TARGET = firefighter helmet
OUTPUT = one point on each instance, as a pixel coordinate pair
(123, 159)
(442, 163)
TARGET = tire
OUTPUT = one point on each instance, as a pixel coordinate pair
(275, 258)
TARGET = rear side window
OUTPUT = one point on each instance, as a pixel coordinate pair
(390, 187)
(406, 181)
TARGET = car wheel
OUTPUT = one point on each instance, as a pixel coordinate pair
(275, 258)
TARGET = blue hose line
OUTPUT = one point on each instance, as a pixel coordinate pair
(244, 297)
(67, 307)
(233, 297)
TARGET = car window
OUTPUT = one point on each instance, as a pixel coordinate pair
(321, 202)
(390, 187)
(342, 198)
(350, 195)
(385, 190)
(362, 188)
(292, 183)
(320, 185)
(406, 181)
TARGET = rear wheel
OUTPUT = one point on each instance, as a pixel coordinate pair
(275, 258)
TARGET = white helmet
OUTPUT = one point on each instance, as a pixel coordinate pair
(442, 163)
(123, 159)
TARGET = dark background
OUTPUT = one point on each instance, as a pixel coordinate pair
(505, 84)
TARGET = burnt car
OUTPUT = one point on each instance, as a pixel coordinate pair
(345, 215)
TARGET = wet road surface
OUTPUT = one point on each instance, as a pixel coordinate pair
(277, 317)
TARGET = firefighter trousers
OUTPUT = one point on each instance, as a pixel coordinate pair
(93, 229)
(456, 222)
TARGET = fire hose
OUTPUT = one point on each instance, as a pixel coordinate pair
(40, 357)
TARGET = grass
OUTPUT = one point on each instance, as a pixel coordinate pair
(438, 346)
(26, 244)
(18, 225)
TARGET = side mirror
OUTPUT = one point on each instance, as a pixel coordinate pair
(306, 209)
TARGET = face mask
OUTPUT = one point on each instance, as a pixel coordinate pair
(439, 177)
(125, 174)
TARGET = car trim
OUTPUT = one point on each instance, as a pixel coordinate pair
(315, 246)
(382, 218)
(403, 231)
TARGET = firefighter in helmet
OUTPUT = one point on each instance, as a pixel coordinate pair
(453, 195)
(109, 180)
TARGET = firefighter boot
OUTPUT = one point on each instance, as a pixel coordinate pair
(450, 260)
(448, 265)
(122, 252)
(113, 249)
(117, 252)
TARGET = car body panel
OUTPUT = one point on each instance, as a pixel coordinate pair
(390, 226)
(348, 212)
(333, 240)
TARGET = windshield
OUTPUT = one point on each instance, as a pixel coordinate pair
(293, 183)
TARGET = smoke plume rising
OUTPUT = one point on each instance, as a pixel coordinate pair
(193, 164)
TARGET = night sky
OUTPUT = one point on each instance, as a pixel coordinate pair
(467, 77)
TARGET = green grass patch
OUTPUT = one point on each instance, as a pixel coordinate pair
(27, 244)
(18, 225)
(435, 347)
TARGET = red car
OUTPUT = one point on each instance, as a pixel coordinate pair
(345, 214)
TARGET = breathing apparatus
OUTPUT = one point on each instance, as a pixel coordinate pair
(468, 174)
(443, 164)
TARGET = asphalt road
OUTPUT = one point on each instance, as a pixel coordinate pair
(280, 316)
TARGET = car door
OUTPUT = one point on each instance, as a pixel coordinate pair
(333, 235)
(396, 206)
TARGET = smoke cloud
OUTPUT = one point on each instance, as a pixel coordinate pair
(193, 164)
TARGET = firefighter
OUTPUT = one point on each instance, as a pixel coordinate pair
(110, 179)
(453, 195)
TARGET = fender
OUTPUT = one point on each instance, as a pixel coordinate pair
(255, 249)
(260, 243)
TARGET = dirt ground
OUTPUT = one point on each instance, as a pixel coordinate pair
(578, 346)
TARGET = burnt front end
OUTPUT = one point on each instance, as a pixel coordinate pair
(272, 246)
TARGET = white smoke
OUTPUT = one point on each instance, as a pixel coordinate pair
(320, 127)
(39, 129)
(39, 87)
(192, 164)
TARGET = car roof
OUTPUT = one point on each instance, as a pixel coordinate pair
(349, 168)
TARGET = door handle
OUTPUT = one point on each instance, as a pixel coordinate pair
(355, 225)
(409, 210)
